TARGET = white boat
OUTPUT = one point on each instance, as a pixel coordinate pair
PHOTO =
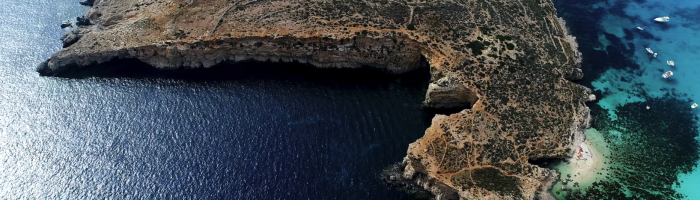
(662, 19)
(649, 50)
(640, 28)
(655, 55)
(667, 74)
(670, 63)
(695, 105)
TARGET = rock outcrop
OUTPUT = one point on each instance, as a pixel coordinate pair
(508, 61)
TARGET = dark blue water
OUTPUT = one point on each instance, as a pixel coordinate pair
(261, 131)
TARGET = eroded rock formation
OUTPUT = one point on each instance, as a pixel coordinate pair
(506, 60)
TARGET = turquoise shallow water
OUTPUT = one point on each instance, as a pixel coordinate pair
(679, 40)
(690, 185)
(48, 150)
(626, 77)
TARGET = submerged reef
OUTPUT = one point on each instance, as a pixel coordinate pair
(649, 149)
(505, 66)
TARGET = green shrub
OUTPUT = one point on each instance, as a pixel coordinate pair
(510, 46)
(503, 38)
(476, 47)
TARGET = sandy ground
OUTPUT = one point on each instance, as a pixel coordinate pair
(586, 169)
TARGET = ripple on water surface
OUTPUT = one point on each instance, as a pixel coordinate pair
(266, 132)
(277, 136)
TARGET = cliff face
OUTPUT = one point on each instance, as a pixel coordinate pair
(188, 34)
(506, 60)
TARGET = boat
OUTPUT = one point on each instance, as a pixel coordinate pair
(695, 105)
(649, 50)
(662, 19)
(640, 28)
(670, 63)
(667, 74)
(655, 55)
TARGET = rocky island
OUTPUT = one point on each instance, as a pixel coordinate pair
(506, 64)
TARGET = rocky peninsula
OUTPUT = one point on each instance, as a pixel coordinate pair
(506, 64)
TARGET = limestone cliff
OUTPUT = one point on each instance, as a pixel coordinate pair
(508, 61)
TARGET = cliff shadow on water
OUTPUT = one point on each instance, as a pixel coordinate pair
(367, 77)
(346, 163)
(134, 68)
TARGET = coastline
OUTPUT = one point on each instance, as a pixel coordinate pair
(477, 142)
(580, 130)
(581, 172)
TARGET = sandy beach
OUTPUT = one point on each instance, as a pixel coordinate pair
(581, 171)
(585, 166)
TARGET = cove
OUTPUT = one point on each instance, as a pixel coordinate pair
(258, 131)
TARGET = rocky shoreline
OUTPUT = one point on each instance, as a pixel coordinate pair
(421, 186)
(175, 54)
(505, 66)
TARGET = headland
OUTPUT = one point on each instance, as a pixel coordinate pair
(506, 65)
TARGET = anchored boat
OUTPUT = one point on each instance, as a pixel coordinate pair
(667, 74)
(662, 19)
(670, 63)
(640, 28)
(695, 105)
(649, 50)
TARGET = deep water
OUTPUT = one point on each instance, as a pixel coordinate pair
(647, 120)
(250, 131)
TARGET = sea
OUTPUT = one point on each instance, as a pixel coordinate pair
(289, 131)
(251, 131)
(647, 121)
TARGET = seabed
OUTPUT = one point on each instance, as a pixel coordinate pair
(647, 121)
(580, 172)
